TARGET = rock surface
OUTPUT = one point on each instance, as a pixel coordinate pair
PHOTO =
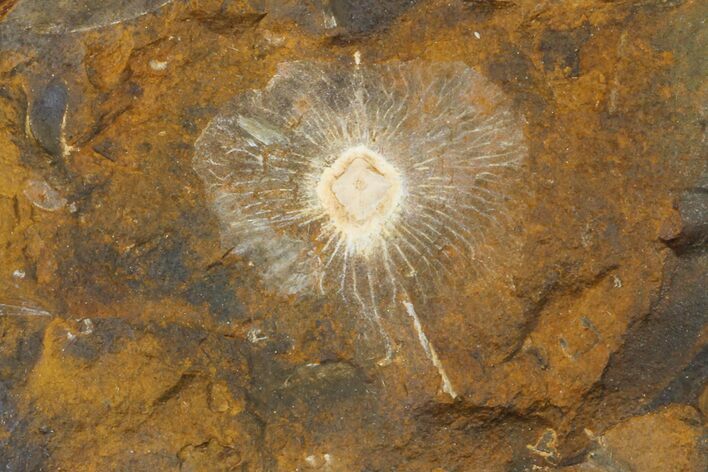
(131, 339)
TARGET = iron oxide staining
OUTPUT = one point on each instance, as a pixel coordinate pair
(374, 182)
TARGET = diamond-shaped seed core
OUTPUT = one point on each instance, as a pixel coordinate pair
(360, 189)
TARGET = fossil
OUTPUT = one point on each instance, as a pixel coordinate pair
(372, 182)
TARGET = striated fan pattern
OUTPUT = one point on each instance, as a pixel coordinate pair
(374, 182)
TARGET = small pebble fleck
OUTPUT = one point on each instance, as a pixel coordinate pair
(158, 65)
(87, 327)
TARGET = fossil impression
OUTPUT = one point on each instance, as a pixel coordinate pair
(372, 182)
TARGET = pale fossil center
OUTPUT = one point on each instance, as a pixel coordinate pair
(359, 191)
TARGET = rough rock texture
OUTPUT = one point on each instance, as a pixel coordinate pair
(130, 339)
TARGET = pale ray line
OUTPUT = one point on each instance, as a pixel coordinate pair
(447, 202)
(403, 105)
(220, 178)
(511, 164)
(418, 164)
(436, 242)
(262, 212)
(430, 350)
(417, 251)
(285, 220)
(320, 125)
(345, 134)
(455, 92)
(343, 276)
(435, 186)
(331, 119)
(226, 196)
(16, 310)
(359, 108)
(258, 157)
(439, 178)
(260, 192)
(390, 96)
(496, 195)
(272, 167)
(313, 122)
(329, 241)
(294, 216)
(425, 247)
(376, 319)
(334, 252)
(483, 157)
(481, 213)
(255, 181)
(454, 221)
(256, 221)
(461, 238)
(312, 220)
(477, 133)
(304, 162)
(328, 120)
(412, 230)
(387, 264)
(265, 202)
(413, 272)
(437, 273)
(487, 177)
(218, 164)
(453, 192)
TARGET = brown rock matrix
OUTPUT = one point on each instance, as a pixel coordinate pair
(545, 306)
